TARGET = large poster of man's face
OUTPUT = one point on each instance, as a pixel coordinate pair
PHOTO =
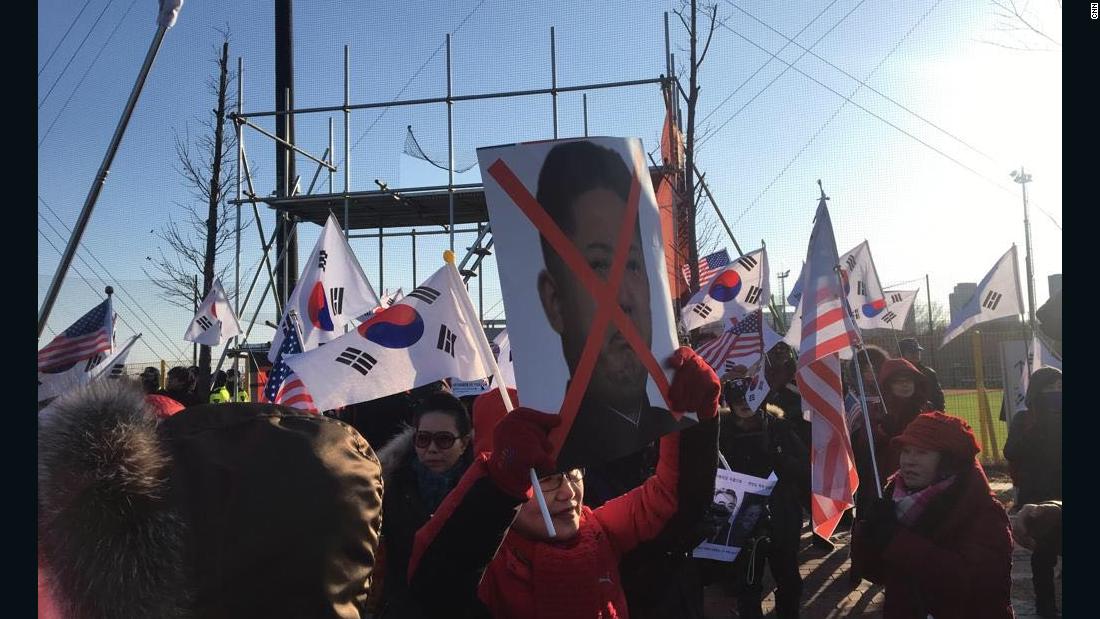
(578, 241)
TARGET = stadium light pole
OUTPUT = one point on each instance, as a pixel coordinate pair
(783, 291)
(1023, 179)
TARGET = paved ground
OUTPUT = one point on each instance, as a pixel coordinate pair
(827, 593)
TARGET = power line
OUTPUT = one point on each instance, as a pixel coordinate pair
(85, 280)
(73, 57)
(105, 282)
(781, 73)
(88, 251)
(766, 62)
(847, 100)
(85, 75)
(862, 82)
(63, 37)
(414, 76)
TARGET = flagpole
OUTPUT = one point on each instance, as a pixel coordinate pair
(482, 342)
(862, 389)
(99, 181)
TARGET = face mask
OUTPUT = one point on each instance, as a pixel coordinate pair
(1050, 401)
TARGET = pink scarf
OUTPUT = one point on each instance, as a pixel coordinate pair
(910, 504)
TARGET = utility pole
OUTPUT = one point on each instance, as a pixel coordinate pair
(931, 334)
(286, 244)
(1023, 179)
(783, 291)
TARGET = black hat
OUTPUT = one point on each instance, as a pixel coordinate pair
(909, 344)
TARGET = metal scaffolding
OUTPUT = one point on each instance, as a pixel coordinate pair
(442, 209)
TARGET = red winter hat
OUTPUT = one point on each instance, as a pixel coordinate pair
(936, 431)
(488, 410)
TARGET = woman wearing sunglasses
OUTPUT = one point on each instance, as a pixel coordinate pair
(419, 467)
(487, 553)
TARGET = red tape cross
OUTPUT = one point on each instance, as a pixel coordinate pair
(605, 294)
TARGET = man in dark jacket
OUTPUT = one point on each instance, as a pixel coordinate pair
(758, 444)
(229, 510)
(910, 350)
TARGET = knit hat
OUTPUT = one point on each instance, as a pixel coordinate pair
(936, 431)
(488, 411)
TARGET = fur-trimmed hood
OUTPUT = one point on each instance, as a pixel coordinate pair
(395, 454)
(103, 488)
(223, 510)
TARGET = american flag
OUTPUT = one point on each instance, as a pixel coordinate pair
(283, 385)
(826, 329)
(708, 267)
(737, 346)
(86, 338)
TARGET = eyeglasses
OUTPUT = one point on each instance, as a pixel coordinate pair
(442, 440)
(552, 483)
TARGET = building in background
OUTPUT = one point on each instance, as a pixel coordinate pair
(1054, 284)
(960, 297)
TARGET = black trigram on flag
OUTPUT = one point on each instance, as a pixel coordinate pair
(889, 317)
(991, 300)
(748, 262)
(116, 370)
(336, 300)
(860, 288)
(702, 309)
(753, 295)
(204, 323)
(322, 259)
(446, 341)
(895, 298)
(94, 361)
(358, 360)
(851, 262)
(425, 294)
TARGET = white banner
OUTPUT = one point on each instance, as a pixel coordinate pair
(740, 501)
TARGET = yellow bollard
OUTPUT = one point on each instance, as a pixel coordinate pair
(989, 436)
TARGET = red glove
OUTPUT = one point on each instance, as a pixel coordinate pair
(695, 387)
(521, 443)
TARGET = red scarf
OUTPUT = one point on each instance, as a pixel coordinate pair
(569, 580)
(910, 504)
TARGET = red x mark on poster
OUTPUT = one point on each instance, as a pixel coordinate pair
(604, 293)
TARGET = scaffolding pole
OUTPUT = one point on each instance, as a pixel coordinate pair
(450, 150)
(347, 140)
(553, 82)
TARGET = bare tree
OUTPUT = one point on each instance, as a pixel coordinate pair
(1019, 26)
(691, 98)
(202, 229)
(919, 316)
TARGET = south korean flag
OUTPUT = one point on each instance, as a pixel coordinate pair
(215, 321)
(740, 288)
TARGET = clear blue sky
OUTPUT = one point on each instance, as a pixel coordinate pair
(921, 211)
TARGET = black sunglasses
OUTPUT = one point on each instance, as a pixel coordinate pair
(443, 440)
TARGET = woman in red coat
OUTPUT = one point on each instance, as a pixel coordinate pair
(478, 557)
(938, 540)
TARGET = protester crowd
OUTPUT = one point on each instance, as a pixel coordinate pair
(169, 502)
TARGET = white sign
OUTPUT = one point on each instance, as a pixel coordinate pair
(740, 501)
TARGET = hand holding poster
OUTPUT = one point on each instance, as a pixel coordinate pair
(740, 501)
(581, 264)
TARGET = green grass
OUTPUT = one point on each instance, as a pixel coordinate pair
(964, 403)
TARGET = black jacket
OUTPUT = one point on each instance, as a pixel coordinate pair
(774, 446)
(404, 512)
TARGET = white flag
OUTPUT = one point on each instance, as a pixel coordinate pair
(862, 287)
(425, 337)
(215, 321)
(738, 289)
(169, 11)
(899, 303)
(998, 296)
(115, 365)
(332, 289)
(503, 349)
